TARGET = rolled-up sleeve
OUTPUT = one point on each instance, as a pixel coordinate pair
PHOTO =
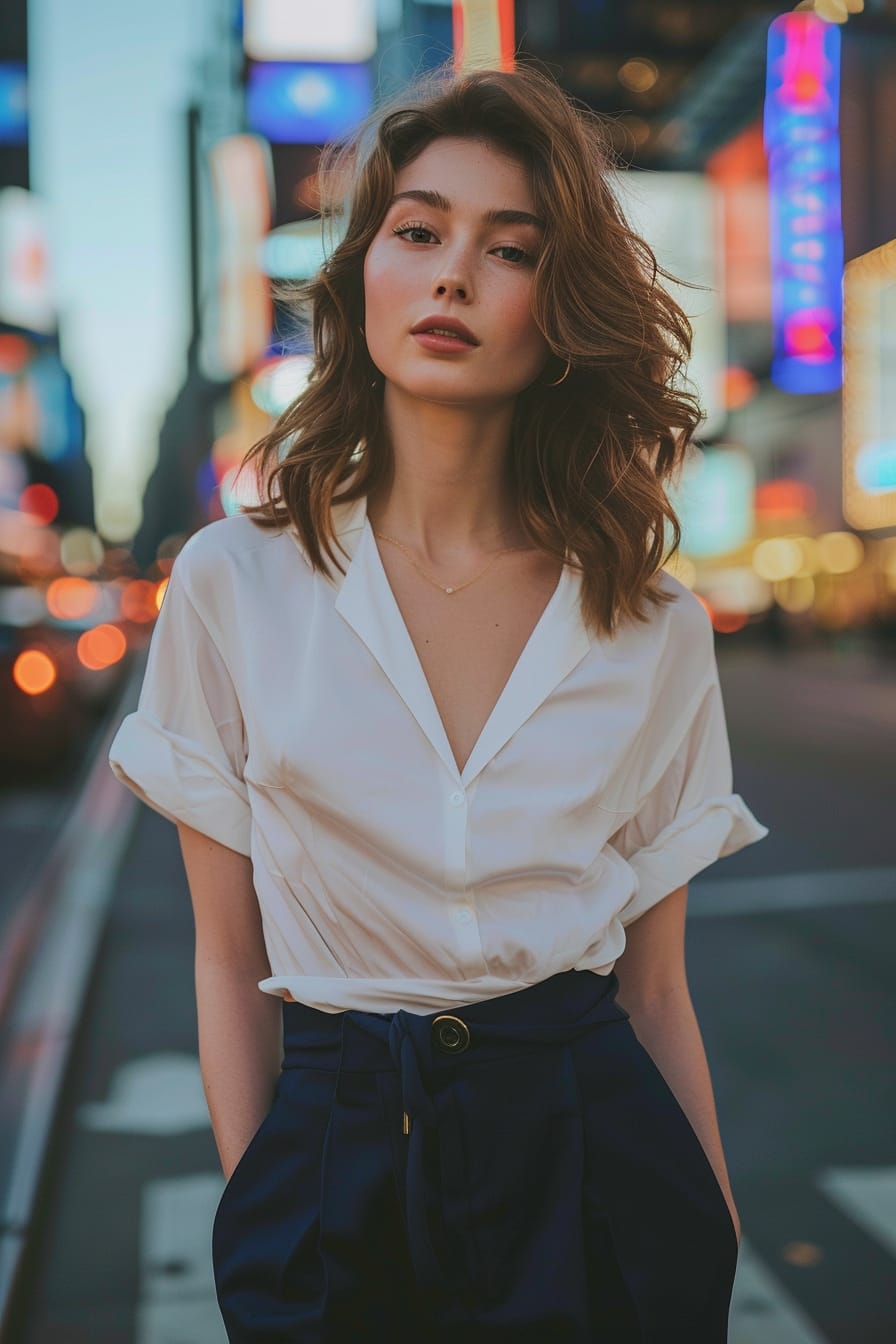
(182, 750)
(690, 817)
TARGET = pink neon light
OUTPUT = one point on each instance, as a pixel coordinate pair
(807, 334)
(802, 66)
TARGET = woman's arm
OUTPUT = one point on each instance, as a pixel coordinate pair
(653, 989)
(240, 1036)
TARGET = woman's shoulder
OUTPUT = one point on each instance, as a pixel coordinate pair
(675, 643)
(227, 540)
(688, 616)
(688, 645)
(230, 564)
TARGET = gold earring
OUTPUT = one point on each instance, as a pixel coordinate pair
(560, 380)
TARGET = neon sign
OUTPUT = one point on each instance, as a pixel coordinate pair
(802, 141)
(306, 103)
(869, 389)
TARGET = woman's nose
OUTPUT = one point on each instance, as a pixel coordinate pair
(452, 287)
(453, 276)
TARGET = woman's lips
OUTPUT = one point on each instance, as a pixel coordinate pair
(431, 341)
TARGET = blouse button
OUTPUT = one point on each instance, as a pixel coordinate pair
(457, 797)
(463, 914)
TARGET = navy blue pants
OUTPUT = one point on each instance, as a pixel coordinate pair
(515, 1170)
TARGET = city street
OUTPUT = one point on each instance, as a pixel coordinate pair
(445, 291)
(790, 957)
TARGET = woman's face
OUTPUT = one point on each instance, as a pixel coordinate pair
(456, 243)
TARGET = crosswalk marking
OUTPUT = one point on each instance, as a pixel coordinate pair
(177, 1294)
(867, 1195)
(762, 1311)
(177, 1291)
(160, 1093)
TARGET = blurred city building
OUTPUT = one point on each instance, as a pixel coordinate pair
(47, 537)
(752, 149)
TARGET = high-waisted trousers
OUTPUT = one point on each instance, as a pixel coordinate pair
(516, 1170)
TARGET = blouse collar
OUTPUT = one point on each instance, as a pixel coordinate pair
(365, 601)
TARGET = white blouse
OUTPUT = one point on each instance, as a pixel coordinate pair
(286, 715)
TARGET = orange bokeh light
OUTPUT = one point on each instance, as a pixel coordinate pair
(40, 502)
(34, 671)
(160, 593)
(728, 622)
(784, 499)
(70, 598)
(139, 601)
(101, 647)
(738, 387)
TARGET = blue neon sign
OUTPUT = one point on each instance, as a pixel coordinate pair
(306, 103)
(13, 103)
(802, 141)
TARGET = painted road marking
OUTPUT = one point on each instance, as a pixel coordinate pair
(868, 1196)
(762, 1310)
(177, 1290)
(155, 1094)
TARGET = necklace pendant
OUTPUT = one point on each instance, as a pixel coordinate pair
(449, 590)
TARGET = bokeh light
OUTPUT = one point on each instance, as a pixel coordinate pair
(840, 552)
(728, 622)
(739, 387)
(139, 601)
(81, 551)
(795, 594)
(40, 503)
(638, 75)
(101, 647)
(784, 499)
(34, 671)
(70, 599)
(778, 558)
(279, 382)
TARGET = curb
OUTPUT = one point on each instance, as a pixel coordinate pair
(44, 977)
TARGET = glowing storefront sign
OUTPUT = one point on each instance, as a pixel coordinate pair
(714, 500)
(483, 33)
(803, 146)
(869, 389)
(277, 383)
(282, 30)
(294, 251)
(27, 297)
(679, 215)
(13, 103)
(240, 174)
(307, 104)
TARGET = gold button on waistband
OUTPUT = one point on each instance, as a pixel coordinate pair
(450, 1034)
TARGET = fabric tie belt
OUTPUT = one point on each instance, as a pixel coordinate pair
(464, 1141)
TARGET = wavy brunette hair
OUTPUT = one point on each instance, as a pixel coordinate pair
(589, 457)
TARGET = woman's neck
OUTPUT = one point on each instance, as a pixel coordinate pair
(449, 495)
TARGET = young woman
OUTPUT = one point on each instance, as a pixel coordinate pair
(439, 800)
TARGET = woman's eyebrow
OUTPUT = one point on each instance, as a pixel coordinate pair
(437, 201)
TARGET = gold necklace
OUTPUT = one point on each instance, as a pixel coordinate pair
(455, 587)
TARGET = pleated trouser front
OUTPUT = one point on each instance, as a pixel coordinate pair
(525, 1176)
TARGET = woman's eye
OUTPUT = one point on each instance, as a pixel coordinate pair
(521, 254)
(405, 230)
(411, 228)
